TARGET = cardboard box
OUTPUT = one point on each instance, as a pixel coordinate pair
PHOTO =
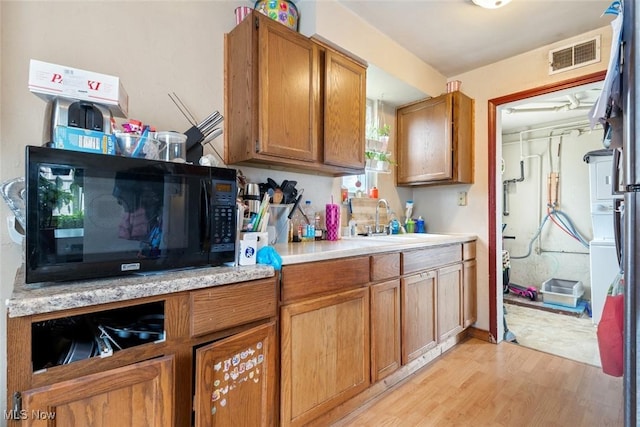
(50, 80)
(247, 252)
(78, 139)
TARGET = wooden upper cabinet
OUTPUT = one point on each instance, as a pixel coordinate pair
(271, 90)
(344, 111)
(291, 101)
(435, 141)
(288, 87)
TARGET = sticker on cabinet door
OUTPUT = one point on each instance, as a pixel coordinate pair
(230, 373)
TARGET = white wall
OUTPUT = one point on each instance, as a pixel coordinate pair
(332, 21)
(560, 256)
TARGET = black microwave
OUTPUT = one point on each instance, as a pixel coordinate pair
(97, 215)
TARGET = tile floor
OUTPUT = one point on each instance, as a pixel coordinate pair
(564, 335)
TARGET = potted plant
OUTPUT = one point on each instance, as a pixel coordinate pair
(384, 161)
(370, 159)
(383, 137)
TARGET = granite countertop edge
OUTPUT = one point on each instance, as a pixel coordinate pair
(39, 298)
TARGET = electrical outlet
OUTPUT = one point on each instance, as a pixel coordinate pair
(462, 198)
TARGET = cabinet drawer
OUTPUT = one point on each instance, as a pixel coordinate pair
(436, 256)
(223, 307)
(322, 277)
(468, 251)
(385, 266)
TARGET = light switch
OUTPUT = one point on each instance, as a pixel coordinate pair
(462, 198)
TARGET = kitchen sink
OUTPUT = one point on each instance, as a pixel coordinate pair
(405, 238)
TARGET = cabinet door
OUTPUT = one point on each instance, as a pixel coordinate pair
(138, 395)
(449, 297)
(435, 141)
(235, 380)
(289, 93)
(344, 111)
(385, 329)
(469, 292)
(324, 354)
(425, 147)
(418, 315)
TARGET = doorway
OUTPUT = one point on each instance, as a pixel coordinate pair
(495, 107)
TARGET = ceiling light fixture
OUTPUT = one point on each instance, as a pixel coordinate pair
(491, 4)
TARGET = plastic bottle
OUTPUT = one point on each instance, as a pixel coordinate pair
(394, 224)
(298, 226)
(420, 225)
(319, 227)
(309, 229)
(410, 225)
(344, 193)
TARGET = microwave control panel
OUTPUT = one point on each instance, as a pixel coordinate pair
(223, 206)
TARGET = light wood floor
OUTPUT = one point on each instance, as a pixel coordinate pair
(481, 384)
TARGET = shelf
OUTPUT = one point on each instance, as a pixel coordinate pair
(378, 166)
(70, 339)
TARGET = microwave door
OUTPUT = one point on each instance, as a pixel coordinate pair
(88, 217)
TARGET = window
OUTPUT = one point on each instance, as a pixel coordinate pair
(355, 183)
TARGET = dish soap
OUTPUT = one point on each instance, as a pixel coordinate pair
(394, 224)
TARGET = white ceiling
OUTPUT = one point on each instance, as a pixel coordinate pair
(456, 36)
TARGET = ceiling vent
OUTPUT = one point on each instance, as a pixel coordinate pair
(574, 56)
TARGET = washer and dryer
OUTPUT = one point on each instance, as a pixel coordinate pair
(603, 258)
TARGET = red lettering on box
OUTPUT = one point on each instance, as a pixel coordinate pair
(93, 85)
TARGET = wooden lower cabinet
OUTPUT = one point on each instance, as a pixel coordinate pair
(449, 301)
(324, 354)
(385, 329)
(139, 395)
(215, 365)
(469, 292)
(349, 333)
(236, 378)
(418, 314)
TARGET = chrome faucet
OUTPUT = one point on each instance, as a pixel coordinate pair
(379, 229)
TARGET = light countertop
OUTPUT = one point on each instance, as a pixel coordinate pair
(29, 299)
(296, 253)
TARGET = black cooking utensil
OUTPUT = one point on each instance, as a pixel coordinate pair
(272, 183)
(289, 191)
(295, 206)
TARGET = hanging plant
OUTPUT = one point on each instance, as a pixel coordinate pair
(385, 130)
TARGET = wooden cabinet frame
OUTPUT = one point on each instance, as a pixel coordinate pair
(292, 101)
(435, 141)
(324, 354)
(156, 376)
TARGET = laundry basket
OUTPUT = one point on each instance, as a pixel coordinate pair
(562, 292)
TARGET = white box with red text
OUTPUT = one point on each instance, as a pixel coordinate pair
(49, 80)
